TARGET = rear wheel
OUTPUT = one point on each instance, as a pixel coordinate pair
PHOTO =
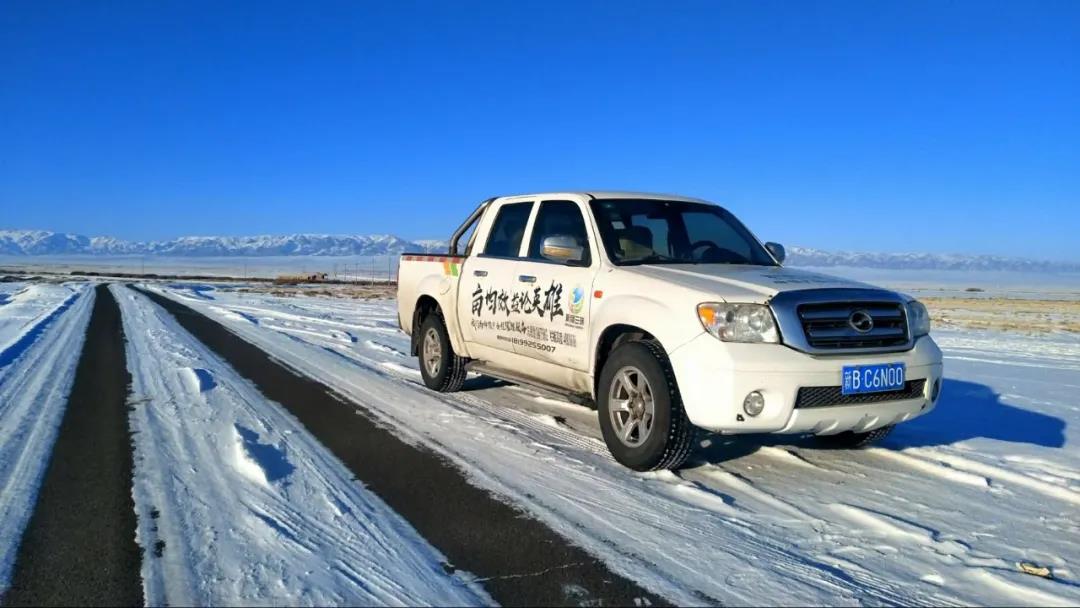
(441, 368)
(849, 440)
(640, 410)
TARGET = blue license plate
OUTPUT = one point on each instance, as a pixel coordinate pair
(877, 378)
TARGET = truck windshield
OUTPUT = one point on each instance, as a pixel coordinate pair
(650, 231)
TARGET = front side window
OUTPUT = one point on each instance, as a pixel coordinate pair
(562, 222)
(649, 231)
(504, 240)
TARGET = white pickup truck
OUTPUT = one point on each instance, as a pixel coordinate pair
(668, 315)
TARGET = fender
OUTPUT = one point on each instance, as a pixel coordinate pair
(444, 290)
(671, 327)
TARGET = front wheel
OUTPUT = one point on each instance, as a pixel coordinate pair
(440, 367)
(640, 410)
(849, 440)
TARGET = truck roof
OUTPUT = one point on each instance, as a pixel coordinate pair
(607, 194)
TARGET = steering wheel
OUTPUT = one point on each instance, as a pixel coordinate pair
(695, 246)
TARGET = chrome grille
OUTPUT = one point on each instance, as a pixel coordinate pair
(824, 396)
(825, 329)
(828, 325)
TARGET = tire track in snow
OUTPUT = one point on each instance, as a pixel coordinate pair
(931, 468)
(30, 333)
(991, 472)
(979, 568)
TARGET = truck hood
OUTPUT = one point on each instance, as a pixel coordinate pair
(740, 282)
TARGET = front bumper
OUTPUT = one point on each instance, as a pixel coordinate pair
(714, 377)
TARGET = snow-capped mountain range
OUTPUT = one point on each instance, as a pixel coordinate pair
(43, 242)
(805, 256)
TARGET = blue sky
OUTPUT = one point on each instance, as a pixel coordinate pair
(908, 126)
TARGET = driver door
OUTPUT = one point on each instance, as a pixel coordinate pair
(555, 285)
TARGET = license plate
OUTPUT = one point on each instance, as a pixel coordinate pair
(877, 378)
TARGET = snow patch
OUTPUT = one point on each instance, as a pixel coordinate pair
(196, 380)
(384, 348)
(260, 462)
(403, 370)
(931, 468)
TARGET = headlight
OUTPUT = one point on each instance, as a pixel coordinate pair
(738, 322)
(918, 318)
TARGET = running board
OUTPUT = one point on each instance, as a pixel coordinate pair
(479, 367)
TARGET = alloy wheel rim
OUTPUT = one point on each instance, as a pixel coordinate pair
(432, 352)
(632, 406)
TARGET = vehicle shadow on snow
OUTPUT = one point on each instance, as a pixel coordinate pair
(967, 410)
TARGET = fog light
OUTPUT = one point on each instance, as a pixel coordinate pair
(934, 392)
(753, 404)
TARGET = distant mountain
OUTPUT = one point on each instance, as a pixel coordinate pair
(804, 256)
(42, 242)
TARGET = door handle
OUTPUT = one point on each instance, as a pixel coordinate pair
(479, 273)
(526, 278)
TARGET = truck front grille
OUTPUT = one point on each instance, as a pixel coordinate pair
(824, 396)
(829, 325)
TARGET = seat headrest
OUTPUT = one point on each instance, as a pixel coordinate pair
(636, 241)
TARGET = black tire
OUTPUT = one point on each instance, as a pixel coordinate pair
(671, 438)
(450, 375)
(849, 440)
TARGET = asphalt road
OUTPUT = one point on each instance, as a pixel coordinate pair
(79, 547)
(520, 560)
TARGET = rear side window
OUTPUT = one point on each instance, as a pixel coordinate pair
(559, 219)
(508, 230)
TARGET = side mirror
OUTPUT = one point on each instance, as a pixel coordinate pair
(777, 251)
(562, 248)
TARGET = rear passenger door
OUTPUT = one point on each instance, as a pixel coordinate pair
(555, 285)
(484, 296)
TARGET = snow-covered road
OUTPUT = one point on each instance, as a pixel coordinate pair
(42, 327)
(237, 504)
(941, 514)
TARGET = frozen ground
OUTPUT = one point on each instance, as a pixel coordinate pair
(943, 513)
(972, 283)
(41, 334)
(349, 268)
(1054, 285)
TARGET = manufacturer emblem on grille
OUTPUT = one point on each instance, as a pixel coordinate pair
(861, 321)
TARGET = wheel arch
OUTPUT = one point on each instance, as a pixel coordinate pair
(425, 306)
(611, 338)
